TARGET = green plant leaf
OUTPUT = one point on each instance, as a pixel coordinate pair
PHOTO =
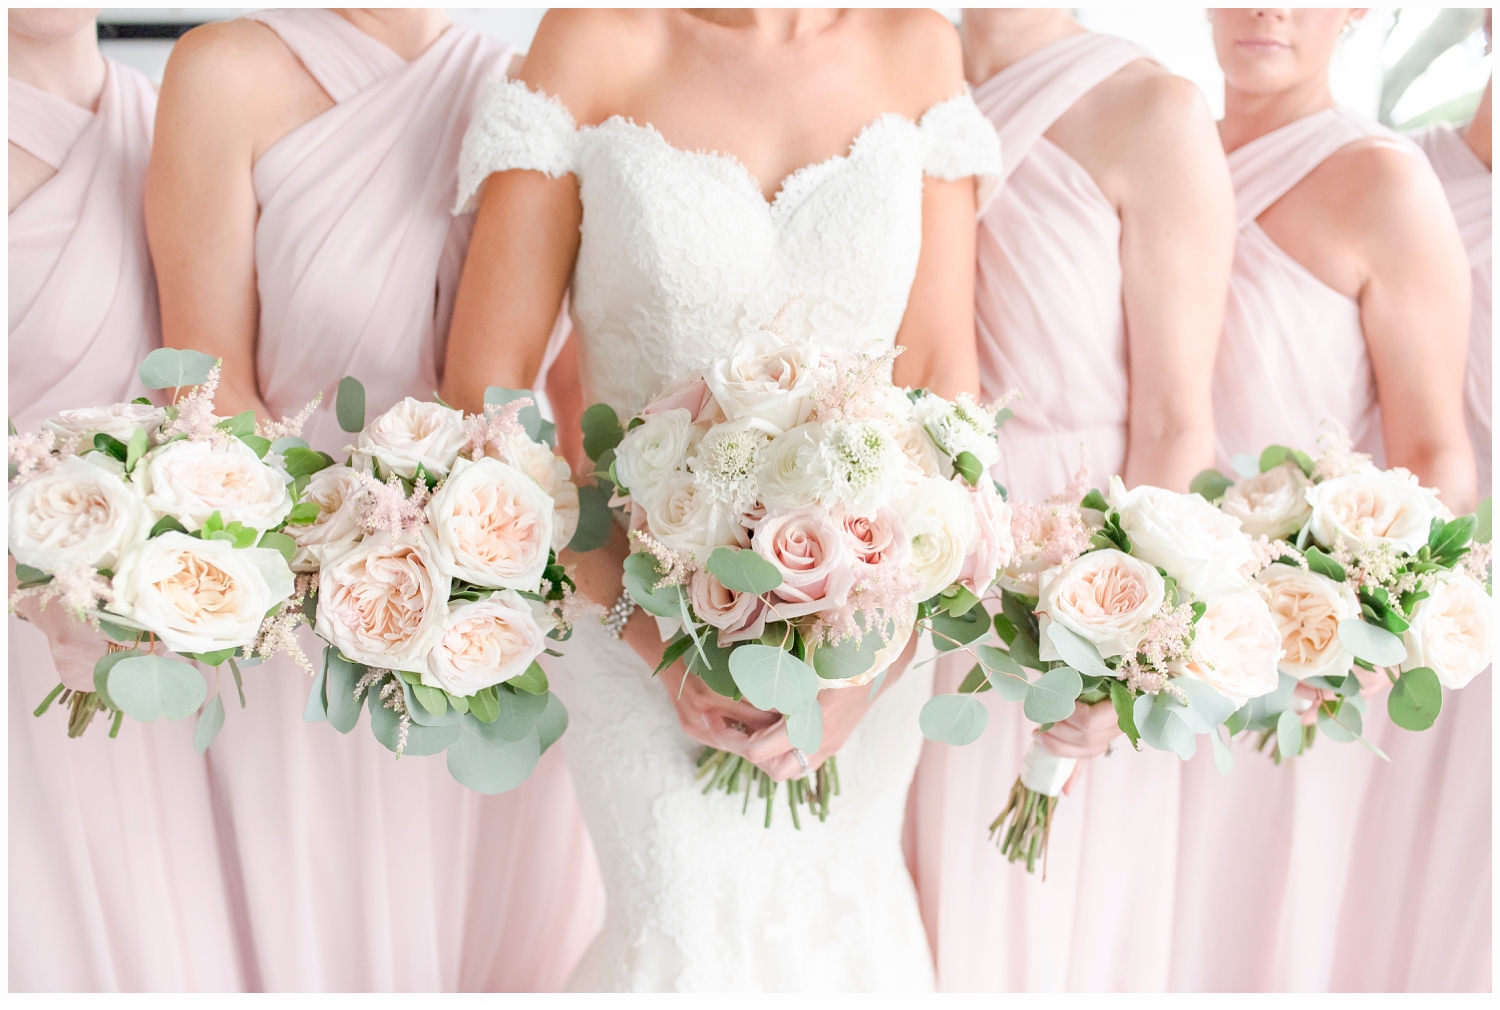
(1211, 484)
(349, 404)
(1123, 701)
(136, 448)
(530, 417)
(954, 719)
(281, 445)
(949, 632)
(430, 698)
(28, 576)
(1289, 734)
(343, 709)
(553, 723)
(673, 652)
(420, 740)
(1303, 461)
(1158, 718)
(716, 674)
(1005, 675)
(316, 709)
(303, 513)
(240, 425)
(148, 688)
(771, 678)
(805, 729)
(279, 542)
(1051, 697)
(1415, 699)
(1077, 651)
(305, 462)
(1449, 544)
(111, 446)
(216, 658)
(1238, 720)
(532, 680)
(975, 682)
(1206, 708)
(484, 705)
(594, 519)
(519, 712)
(1223, 759)
(743, 571)
(1273, 456)
(849, 658)
(641, 578)
(601, 430)
(1372, 644)
(488, 763)
(1324, 565)
(260, 446)
(1095, 500)
(1482, 524)
(958, 601)
(967, 466)
(1343, 725)
(210, 721)
(171, 368)
(101, 673)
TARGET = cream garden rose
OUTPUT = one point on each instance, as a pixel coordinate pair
(384, 603)
(1373, 507)
(1106, 597)
(491, 525)
(1451, 631)
(119, 420)
(414, 433)
(940, 521)
(684, 518)
(653, 450)
(76, 515)
(1199, 546)
(793, 472)
(1236, 647)
(485, 642)
(1271, 504)
(959, 425)
(552, 474)
(199, 595)
(1307, 608)
(766, 378)
(191, 480)
(335, 490)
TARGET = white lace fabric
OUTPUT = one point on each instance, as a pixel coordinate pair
(680, 255)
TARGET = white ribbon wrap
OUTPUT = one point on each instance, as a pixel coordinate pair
(1043, 771)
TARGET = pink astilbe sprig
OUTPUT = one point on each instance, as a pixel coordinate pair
(1477, 562)
(1380, 567)
(778, 324)
(82, 590)
(575, 607)
(857, 387)
(678, 566)
(1264, 552)
(195, 418)
(1047, 536)
(882, 599)
(498, 423)
(278, 633)
(391, 697)
(288, 427)
(1080, 483)
(385, 508)
(1168, 636)
(1336, 455)
(34, 454)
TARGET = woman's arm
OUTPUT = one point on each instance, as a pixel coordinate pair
(938, 328)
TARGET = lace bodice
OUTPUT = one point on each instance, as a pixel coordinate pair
(681, 254)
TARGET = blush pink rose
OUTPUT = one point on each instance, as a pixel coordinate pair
(996, 546)
(690, 394)
(877, 540)
(808, 547)
(739, 616)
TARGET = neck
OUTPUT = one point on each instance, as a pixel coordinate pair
(1477, 133)
(994, 38)
(70, 68)
(1248, 116)
(408, 31)
(771, 24)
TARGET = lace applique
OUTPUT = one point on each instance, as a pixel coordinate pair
(516, 128)
(962, 141)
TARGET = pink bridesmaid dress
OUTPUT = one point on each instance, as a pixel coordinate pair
(1051, 324)
(1427, 928)
(116, 880)
(362, 872)
(1266, 855)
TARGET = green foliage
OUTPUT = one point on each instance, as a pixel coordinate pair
(848, 658)
(1449, 541)
(303, 513)
(28, 577)
(1095, 500)
(530, 417)
(420, 740)
(955, 719)
(343, 708)
(148, 688)
(967, 466)
(553, 723)
(949, 632)
(1018, 612)
(594, 520)
(805, 729)
(111, 446)
(519, 712)
(433, 699)
(1482, 523)
(101, 674)
(279, 542)
(1211, 484)
(484, 704)
(532, 680)
(601, 430)
(1159, 721)
(1288, 735)
(743, 571)
(1372, 644)
(1324, 565)
(301, 462)
(642, 576)
(772, 678)
(316, 709)
(957, 600)
(1077, 651)
(715, 673)
(1051, 697)
(1005, 675)
(210, 721)
(976, 682)
(1123, 701)
(135, 448)
(240, 425)
(673, 652)
(489, 763)
(259, 445)
(170, 368)
(349, 404)
(1415, 699)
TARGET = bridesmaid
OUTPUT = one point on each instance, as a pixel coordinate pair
(115, 878)
(1427, 928)
(1115, 216)
(298, 210)
(1349, 299)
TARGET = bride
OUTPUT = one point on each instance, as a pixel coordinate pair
(684, 175)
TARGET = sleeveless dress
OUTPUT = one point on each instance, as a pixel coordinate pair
(680, 256)
(363, 872)
(1428, 929)
(1051, 324)
(116, 881)
(1265, 854)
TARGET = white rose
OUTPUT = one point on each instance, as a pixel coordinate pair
(1307, 608)
(959, 425)
(200, 595)
(335, 490)
(1236, 647)
(491, 525)
(1106, 596)
(922, 456)
(1373, 507)
(412, 433)
(653, 449)
(384, 603)
(118, 420)
(793, 470)
(685, 518)
(76, 515)
(1450, 630)
(1271, 504)
(1199, 546)
(483, 643)
(767, 378)
(192, 480)
(552, 474)
(938, 516)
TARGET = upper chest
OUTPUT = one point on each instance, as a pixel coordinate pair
(1315, 223)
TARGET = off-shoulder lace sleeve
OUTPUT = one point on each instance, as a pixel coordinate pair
(961, 142)
(516, 128)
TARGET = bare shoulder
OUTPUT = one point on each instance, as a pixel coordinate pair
(224, 57)
(585, 57)
(1377, 187)
(1143, 108)
(920, 55)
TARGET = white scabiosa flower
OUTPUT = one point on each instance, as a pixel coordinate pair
(959, 425)
(865, 463)
(726, 462)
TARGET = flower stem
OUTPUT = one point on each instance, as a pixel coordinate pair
(729, 773)
(1027, 824)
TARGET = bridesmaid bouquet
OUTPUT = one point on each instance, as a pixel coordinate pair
(1374, 585)
(168, 530)
(794, 517)
(1143, 599)
(435, 552)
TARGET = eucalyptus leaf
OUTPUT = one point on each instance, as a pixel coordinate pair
(172, 368)
(641, 577)
(349, 404)
(281, 445)
(421, 741)
(805, 729)
(210, 721)
(1206, 707)
(1160, 723)
(1289, 734)
(954, 719)
(1372, 644)
(949, 632)
(967, 466)
(432, 700)
(148, 688)
(488, 763)
(240, 425)
(1123, 701)
(1211, 484)
(1077, 651)
(772, 678)
(136, 448)
(1482, 524)
(1223, 759)
(1415, 699)
(532, 680)
(316, 709)
(1051, 697)
(484, 704)
(1273, 456)
(419, 710)
(1245, 464)
(716, 673)
(1344, 726)
(1323, 564)
(1006, 676)
(594, 520)
(343, 708)
(849, 658)
(601, 430)
(553, 724)
(876, 685)
(520, 713)
(101, 673)
(743, 571)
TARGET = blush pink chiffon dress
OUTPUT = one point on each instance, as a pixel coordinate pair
(1427, 928)
(1270, 860)
(362, 872)
(1051, 325)
(116, 880)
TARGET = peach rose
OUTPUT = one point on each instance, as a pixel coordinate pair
(552, 474)
(1236, 648)
(1106, 597)
(76, 515)
(485, 642)
(383, 603)
(1450, 630)
(192, 480)
(1373, 507)
(491, 525)
(1271, 504)
(1307, 608)
(739, 616)
(807, 546)
(335, 490)
(414, 433)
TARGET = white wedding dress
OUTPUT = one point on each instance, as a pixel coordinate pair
(681, 255)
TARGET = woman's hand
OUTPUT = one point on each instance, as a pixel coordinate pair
(1085, 734)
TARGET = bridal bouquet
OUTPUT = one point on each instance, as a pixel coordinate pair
(168, 530)
(434, 547)
(794, 517)
(1375, 585)
(1143, 599)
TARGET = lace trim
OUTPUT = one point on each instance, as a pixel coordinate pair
(516, 128)
(963, 140)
